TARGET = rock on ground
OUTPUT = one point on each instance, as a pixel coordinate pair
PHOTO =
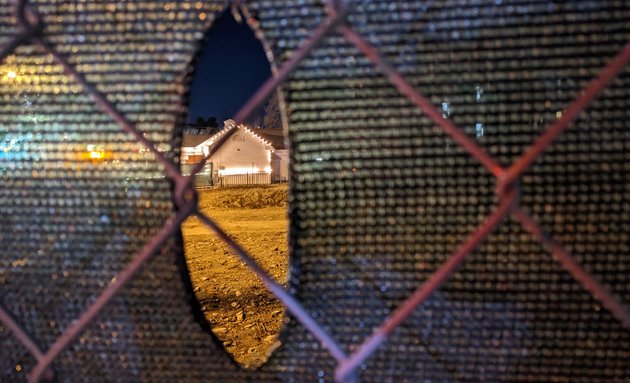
(243, 315)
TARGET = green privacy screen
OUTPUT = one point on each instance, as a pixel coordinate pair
(424, 207)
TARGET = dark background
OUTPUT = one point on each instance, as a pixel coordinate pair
(230, 68)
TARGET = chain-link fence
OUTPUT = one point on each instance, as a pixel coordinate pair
(34, 27)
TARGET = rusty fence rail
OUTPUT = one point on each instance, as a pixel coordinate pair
(32, 32)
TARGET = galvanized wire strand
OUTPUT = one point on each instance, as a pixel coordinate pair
(106, 106)
(27, 341)
(404, 87)
(16, 41)
(277, 290)
(281, 75)
(432, 284)
(186, 199)
(586, 98)
(119, 281)
(569, 263)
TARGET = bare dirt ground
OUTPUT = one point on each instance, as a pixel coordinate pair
(243, 315)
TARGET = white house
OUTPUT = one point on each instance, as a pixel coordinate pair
(237, 155)
(280, 156)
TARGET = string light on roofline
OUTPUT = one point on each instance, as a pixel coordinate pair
(257, 136)
(228, 127)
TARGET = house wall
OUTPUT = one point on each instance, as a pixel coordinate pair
(202, 178)
(280, 165)
(241, 152)
(187, 158)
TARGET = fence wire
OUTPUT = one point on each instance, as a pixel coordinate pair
(32, 31)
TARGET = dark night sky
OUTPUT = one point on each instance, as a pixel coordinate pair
(231, 66)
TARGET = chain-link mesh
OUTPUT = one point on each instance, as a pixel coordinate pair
(391, 191)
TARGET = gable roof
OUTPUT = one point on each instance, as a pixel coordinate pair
(192, 140)
(275, 136)
(214, 142)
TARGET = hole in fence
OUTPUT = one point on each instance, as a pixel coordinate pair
(243, 187)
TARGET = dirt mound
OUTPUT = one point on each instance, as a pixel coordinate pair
(244, 197)
(242, 313)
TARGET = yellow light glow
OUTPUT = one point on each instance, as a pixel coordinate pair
(235, 171)
(267, 169)
(11, 74)
(97, 155)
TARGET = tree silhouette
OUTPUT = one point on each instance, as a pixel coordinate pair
(203, 126)
(211, 122)
(272, 119)
(201, 121)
